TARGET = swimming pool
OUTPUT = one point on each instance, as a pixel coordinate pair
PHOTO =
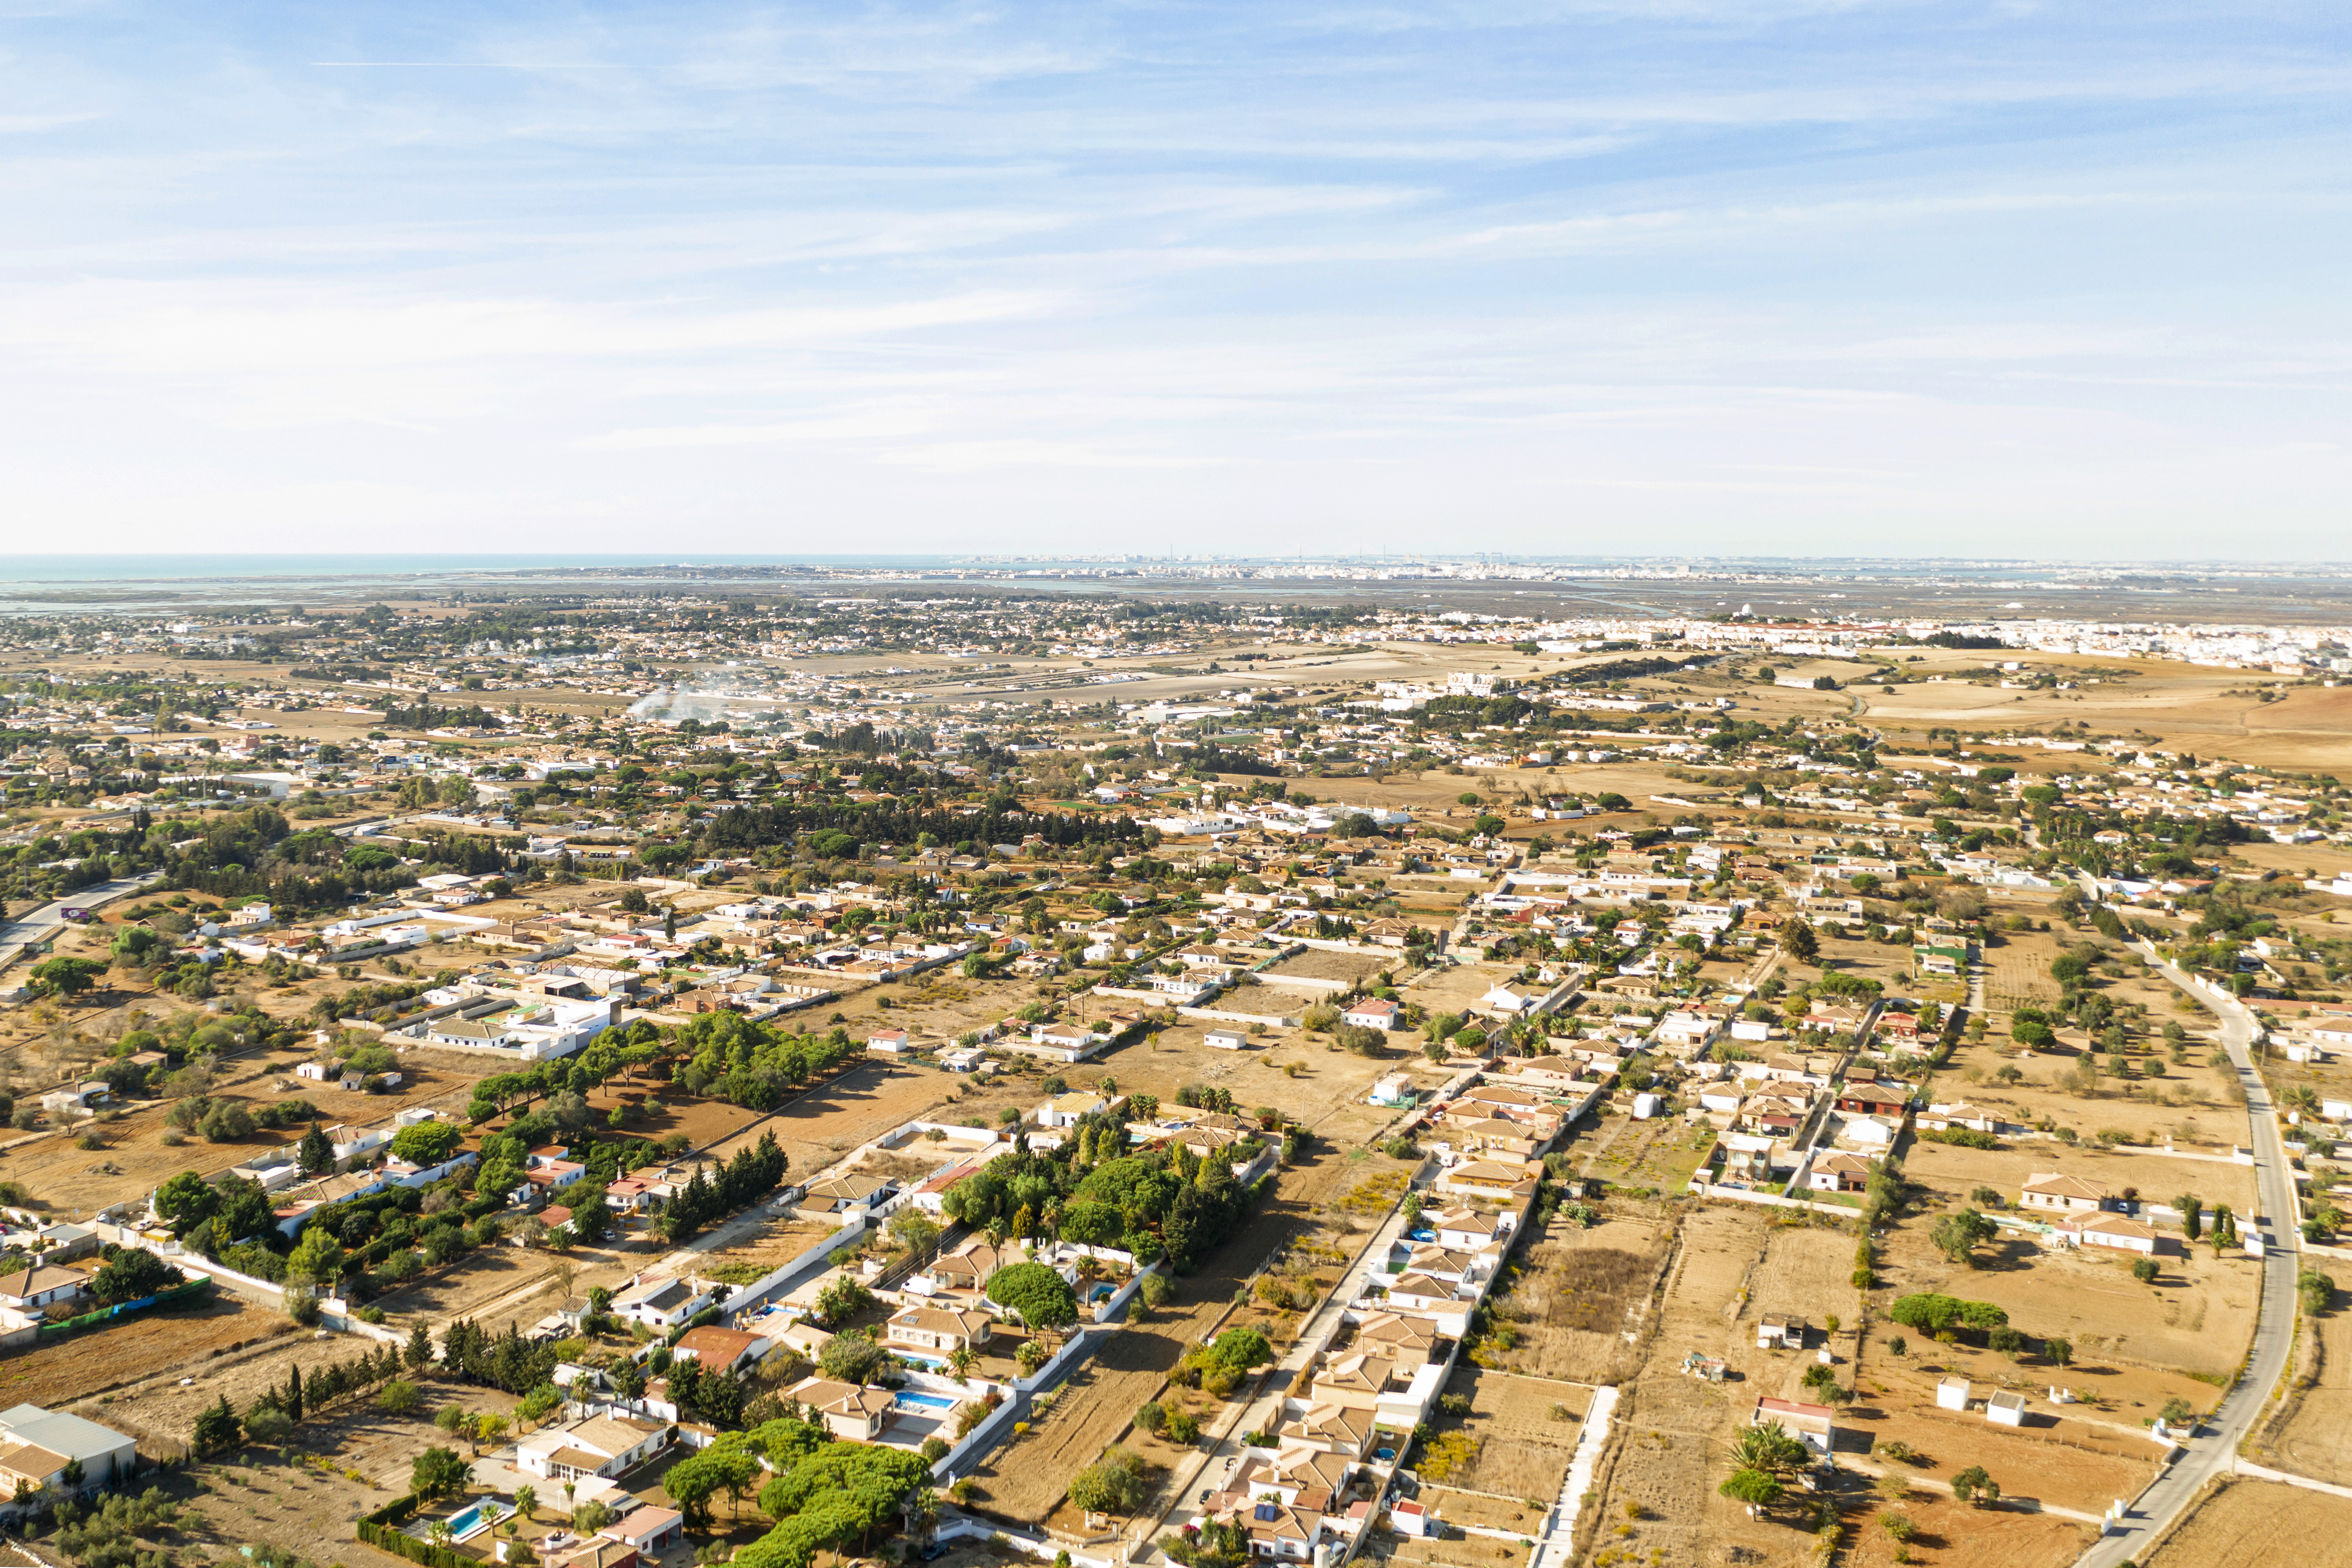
(465, 1522)
(928, 1401)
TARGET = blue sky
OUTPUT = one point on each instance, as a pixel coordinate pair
(1575, 278)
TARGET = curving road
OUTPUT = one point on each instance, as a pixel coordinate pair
(43, 921)
(2213, 1450)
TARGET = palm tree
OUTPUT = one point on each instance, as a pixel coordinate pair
(1768, 1447)
(960, 1361)
(437, 1532)
(526, 1501)
(491, 1513)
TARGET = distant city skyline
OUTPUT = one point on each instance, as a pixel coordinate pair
(1779, 279)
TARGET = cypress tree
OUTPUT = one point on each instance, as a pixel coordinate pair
(294, 1393)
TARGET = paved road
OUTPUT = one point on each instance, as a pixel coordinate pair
(41, 923)
(2214, 1450)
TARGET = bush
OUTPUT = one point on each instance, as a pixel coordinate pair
(399, 1397)
(1151, 1417)
(1183, 1427)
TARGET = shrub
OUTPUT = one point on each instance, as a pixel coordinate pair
(399, 1398)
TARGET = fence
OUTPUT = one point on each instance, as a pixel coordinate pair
(108, 1314)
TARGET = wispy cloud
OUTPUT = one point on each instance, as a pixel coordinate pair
(1689, 267)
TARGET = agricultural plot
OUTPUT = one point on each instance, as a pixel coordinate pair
(1514, 1440)
(1951, 1173)
(1955, 1535)
(2255, 1524)
(1578, 1299)
(2197, 1317)
(2192, 1105)
(2315, 1438)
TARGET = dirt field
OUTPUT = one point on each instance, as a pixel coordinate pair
(2257, 1524)
(2017, 970)
(1656, 1155)
(2315, 1439)
(1951, 1173)
(1958, 1536)
(1577, 1295)
(2198, 1318)
(1526, 1428)
(2191, 1104)
(1807, 1271)
(142, 1347)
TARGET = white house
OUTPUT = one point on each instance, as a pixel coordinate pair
(603, 1446)
(1371, 1012)
(661, 1304)
(37, 1445)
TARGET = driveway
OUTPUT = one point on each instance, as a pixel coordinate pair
(2213, 1450)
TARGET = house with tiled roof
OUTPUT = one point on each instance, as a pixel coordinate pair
(2049, 1191)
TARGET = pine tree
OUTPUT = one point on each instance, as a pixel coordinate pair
(315, 1154)
(420, 1348)
(218, 1428)
(293, 1401)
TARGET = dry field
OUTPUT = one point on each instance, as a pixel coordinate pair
(2315, 1436)
(1665, 1450)
(1526, 1430)
(1951, 1172)
(2194, 1105)
(161, 1343)
(2258, 1524)
(1953, 1535)
(2017, 968)
(1807, 1271)
(2199, 1317)
(2057, 1459)
(1578, 1297)
(1657, 1156)
(1320, 964)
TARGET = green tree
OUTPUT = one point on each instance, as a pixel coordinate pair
(2192, 1220)
(1973, 1486)
(1958, 1235)
(62, 976)
(426, 1142)
(1757, 1489)
(217, 1430)
(1042, 1297)
(315, 1154)
(1798, 941)
(438, 1472)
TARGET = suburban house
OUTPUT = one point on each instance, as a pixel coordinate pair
(2049, 1191)
(1371, 1012)
(648, 1531)
(2115, 1231)
(37, 1445)
(937, 1330)
(661, 1304)
(1839, 1173)
(1068, 1110)
(597, 1446)
(42, 1285)
(722, 1350)
(1815, 1425)
(1491, 1178)
(889, 1042)
(853, 1414)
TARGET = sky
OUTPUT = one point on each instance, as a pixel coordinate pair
(1769, 277)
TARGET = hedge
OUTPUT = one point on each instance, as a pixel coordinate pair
(381, 1530)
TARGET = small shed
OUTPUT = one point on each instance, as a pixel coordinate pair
(1778, 1331)
(1226, 1039)
(2006, 1409)
(1952, 1393)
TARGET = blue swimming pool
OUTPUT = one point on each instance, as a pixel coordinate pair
(928, 1401)
(1423, 1235)
(465, 1521)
